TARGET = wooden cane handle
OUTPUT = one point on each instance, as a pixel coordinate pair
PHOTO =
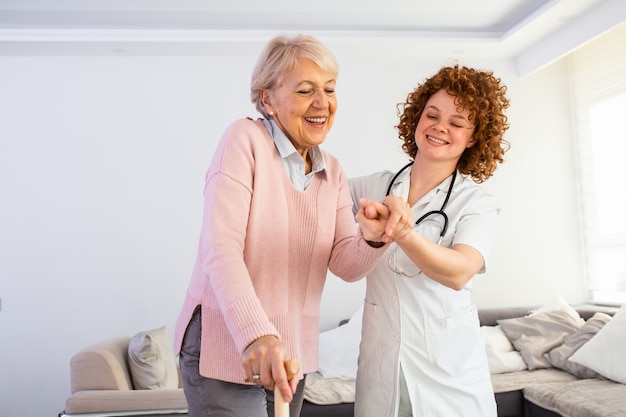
(292, 366)
(281, 408)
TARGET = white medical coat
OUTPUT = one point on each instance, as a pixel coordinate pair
(431, 330)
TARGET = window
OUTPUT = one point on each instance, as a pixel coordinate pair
(599, 92)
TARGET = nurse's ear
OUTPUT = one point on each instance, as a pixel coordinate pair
(471, 143)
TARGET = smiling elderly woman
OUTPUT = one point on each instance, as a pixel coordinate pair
(277, 215)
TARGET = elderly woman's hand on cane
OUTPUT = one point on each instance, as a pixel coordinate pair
(264, 362)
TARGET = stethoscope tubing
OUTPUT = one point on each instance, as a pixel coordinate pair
(430, 213)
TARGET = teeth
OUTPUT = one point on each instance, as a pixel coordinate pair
(436, 140)
(318, 120)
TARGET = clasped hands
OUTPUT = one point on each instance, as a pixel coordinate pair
(388, 221)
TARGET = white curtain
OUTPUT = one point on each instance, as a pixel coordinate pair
(598, 72)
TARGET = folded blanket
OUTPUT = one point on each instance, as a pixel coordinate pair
(584, 397)
(325, 391)
(515, 381)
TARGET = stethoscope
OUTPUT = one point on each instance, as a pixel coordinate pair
(440, 212)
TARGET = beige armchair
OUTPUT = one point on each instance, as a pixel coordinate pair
(101, 386)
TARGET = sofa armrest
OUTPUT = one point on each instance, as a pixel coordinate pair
(103, 401)
(102, 366)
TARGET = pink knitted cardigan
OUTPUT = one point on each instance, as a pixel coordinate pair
(264, 252)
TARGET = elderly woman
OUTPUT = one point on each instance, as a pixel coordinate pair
(277, 216)
(422, 352)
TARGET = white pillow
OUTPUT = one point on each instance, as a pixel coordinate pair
(501, 353)
(605, 353)
(559, 303)
(151, 360)
(339, 349)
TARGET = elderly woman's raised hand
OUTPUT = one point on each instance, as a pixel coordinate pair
(387, 222)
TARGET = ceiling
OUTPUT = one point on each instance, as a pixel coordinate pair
(501, 28)
(479, 17)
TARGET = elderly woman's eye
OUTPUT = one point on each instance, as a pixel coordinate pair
(330, 91)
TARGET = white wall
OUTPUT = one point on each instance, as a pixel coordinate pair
(101, 174)
(539, 252)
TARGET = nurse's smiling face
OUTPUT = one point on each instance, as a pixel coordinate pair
(303, 105)
(444, 129)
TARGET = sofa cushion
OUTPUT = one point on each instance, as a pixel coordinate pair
(605, 352)
(151, 360)
(161, 402)
(537, 334)
(559, 357)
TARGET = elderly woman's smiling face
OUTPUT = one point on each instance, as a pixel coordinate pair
(303, 104)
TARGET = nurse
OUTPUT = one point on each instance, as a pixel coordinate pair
(422, 352)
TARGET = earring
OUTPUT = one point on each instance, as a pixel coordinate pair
(271, 113)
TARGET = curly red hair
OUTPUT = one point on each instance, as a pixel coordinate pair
(484, 96)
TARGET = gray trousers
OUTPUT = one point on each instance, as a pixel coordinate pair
(208, 397)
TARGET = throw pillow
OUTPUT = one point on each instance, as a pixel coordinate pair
(339, 349)
(501, 354)
(605, 352)
(559, 356)
(151, 360)
(539, 333)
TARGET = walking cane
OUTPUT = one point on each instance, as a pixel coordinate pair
(281, 408)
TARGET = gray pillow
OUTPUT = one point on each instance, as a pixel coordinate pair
(559, 356)
(537, 334)
(151, 360)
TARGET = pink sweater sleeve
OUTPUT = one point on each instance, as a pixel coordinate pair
(351, 257)
(223, 238)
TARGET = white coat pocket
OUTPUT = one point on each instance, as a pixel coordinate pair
(452, 342)
(368, 348)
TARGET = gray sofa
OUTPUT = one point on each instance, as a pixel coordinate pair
(553, 392)
(102, 385)
(548, 392)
